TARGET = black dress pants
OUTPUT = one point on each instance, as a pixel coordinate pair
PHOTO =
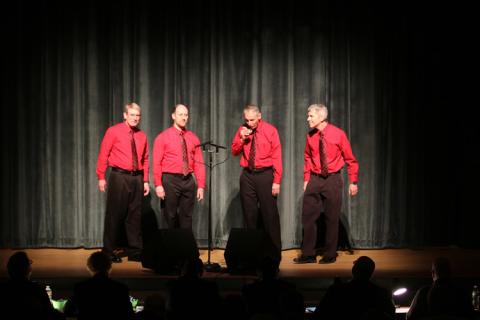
(321, 193)
(179, 200)
(256, 196)
(123, 213)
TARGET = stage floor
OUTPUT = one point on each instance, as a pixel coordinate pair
(398, 263)
(61, 268)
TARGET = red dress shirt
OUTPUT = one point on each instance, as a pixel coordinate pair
(268, 151)
(167, 155)
(116, 150)
(337, 149)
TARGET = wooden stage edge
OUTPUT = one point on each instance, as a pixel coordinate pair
(390, 263)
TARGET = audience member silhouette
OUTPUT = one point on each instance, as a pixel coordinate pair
(100, 297)
(190, 296)
(359, 298)
(153, 308)
(22, 298)
(270, 296)
(234, 307)
(443, 297)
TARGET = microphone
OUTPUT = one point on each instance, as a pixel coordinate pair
(209, 143)
(246, 126)
(217, 146)
(203, 145)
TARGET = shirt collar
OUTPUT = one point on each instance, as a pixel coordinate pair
(178, 131)
(128, 128)
(324, 129)
(259, 125)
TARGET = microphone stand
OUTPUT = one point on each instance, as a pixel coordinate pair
(210, 148)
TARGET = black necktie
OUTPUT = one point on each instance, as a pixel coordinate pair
(185, 168)
(323, 156)
(251, 157)
(134, 152)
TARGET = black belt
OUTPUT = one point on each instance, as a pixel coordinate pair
(132, 173)
(257, 170)
(329, 174)
(179, 175)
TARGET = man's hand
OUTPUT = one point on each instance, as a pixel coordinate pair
(160, 192)
(275, 189)
(244, 133)
(305, 185)
(146, 189)
(102, 185)
(353, 189)
(200, 193)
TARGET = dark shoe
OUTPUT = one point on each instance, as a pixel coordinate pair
(135, 257)
(305, 259)
(120, 253)
(115, 258)
(327, 260)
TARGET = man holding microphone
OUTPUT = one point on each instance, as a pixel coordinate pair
(258, 144)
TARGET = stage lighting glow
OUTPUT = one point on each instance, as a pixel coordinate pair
(399, 291)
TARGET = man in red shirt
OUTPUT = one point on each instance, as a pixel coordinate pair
(176, 156)
(327, 150)
(125, 149)
(258, 144)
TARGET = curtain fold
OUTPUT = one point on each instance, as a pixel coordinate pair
(72, 66)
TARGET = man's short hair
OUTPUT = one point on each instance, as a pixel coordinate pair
(363, 268)
(318, 107)
(442, 268)
(99, 262)
(131, 105)
(251, 107)
(18, 265)
(180, 104)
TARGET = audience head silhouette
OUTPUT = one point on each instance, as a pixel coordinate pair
(363, 268)
(441, 269)
(19, 266)
(99, 262)
(99, 297)
(443, 298)
(21, 298)
(155, 305)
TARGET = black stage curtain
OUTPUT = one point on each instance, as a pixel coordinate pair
(395, 78)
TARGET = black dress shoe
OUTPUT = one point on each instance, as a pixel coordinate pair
(135, 257)
(327, 260)
(305, 259)
(115, 258)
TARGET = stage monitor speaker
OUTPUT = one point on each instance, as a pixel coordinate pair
(245, 250)
(167, 249)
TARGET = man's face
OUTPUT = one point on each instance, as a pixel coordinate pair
(180, 116)
(132, 116)
(314, 118)
(252, 118)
